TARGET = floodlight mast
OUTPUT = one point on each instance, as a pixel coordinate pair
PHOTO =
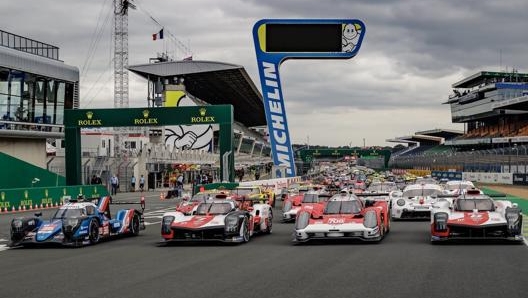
(121, 8)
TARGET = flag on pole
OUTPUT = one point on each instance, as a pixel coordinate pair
(158, 35)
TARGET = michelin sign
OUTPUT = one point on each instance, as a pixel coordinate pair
(281, 39)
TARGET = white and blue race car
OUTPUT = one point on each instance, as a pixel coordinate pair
(77, 223)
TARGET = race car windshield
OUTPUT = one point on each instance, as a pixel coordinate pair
(342, 207)
(213, 208)
(470, 204)
(68, 213)
(311, 198)
(421, 192)
(200, 197)
(379, 187)
(458, 186)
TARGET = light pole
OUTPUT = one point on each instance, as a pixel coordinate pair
(516, 158)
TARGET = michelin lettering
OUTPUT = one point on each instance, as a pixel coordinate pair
(277, 125)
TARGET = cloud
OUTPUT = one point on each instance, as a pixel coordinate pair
(412, 52)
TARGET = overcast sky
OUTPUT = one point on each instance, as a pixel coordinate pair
(412, 52)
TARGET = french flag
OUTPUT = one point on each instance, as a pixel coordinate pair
(158, 35)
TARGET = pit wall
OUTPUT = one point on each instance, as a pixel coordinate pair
(35, 198)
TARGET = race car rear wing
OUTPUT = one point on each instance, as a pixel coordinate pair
(372, 194)
(493, 195)
(141, 203)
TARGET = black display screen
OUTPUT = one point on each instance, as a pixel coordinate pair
(303, 38)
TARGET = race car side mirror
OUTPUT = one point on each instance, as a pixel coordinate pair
(38, 214)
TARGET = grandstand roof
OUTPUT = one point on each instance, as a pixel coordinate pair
(447, 134)
(215, 83)
(400, 140)
(481, 77)
(418, 138)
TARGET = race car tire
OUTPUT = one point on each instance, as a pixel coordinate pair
(244, 230)
(134, 225)
(93, 232)
(269, 228)
(387, 228)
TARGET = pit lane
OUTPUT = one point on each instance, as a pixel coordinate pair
(405, 264)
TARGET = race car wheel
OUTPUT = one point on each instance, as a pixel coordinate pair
(269, 223)
(93, 233)
(244, 230)
(387, 228)
(134, 225)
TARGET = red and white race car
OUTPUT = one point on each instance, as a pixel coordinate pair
(476, 216)
(344, 216)
(306, 200)
(217, 220)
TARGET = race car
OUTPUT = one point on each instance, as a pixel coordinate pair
(476, 216)
(380, 191)
(305, 200)
(457, 187)
(77, 223)
(344, 216)
(415, 201)
(217, 220)
(253, 193)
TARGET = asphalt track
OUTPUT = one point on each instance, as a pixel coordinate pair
(404, 264)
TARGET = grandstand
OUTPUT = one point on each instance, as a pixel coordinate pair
(493, 106)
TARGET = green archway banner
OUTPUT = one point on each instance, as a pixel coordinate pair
(74, 120)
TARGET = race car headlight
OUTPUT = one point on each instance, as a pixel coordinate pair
(514, 220)
(231, 223)
(370, 220)
(70, 224)
(166, 223)
(287, 206)
(16, 223)
(440, 221)
(400, 202)
(302, 220)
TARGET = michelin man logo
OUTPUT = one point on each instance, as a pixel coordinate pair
(195, 137)
(351, 33)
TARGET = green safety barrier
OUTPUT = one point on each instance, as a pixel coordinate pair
(210, 186)
(16, 199)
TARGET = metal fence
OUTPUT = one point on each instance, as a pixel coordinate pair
(502, 160)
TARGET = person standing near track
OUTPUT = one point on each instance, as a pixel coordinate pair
(141, 183)
(133, 183)
(114, 181)
(179, 185)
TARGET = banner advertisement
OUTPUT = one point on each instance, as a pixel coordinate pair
(486, 177)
